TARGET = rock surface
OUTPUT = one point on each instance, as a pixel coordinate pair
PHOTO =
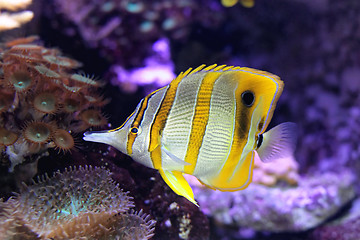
(280, 209)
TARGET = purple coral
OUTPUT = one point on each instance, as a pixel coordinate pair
(157, 72)
(281, 208)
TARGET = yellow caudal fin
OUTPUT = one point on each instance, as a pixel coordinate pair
(176, 181)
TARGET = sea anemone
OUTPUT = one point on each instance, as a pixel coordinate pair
(7, 137)
(63, 140)
(76, 204)
(45, 102)
(130, 226)
(37, 132)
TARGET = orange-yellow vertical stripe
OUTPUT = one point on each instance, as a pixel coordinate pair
(137, 121)
(200, 120)
(160, 120)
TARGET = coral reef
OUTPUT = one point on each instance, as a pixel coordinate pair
(14, 20)
(283, 169)
(123, 34)
(317, 57)
(157, 72)
(311, 44)
(346, 228)
(280, 171)
(117, 29)
(76, 204)
(281, 208)
(327, 105)
(42, 102)
(176, 218)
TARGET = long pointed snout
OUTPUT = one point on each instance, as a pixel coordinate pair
(113, 138)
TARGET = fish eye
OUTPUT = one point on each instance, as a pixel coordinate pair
(134, 130)
(248, 98)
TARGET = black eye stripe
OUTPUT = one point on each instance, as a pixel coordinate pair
(248, 98)
(260, 140)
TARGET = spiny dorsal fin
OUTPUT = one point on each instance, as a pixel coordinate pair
(203, 68)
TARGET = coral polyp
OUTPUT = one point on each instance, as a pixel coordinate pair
(83, 203)
(37, 132)
(63, 140)
(93, 118)
(45, 102)
(71, 105)
(7, 137)
(20, 80)
(62, 61)
(38, 86)
(83, 79)
(6, 100)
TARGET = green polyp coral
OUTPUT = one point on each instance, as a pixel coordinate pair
(20, 80)
(83, 203)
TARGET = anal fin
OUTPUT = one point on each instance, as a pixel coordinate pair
(176, 181)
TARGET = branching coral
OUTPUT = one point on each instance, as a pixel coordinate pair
(42, 102)
(76, 204)
(14, 20)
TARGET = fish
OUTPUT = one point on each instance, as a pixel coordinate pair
(245, 3)
(208, 122)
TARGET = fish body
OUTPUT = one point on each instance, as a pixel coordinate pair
(208, 122)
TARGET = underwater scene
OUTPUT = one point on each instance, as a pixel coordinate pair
(180, 119)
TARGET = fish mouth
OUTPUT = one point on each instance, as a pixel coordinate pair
(95, 136)
(87, 133)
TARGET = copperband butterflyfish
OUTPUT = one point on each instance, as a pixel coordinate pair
(209, 122)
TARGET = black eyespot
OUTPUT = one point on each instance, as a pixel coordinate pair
(248, 98)
(134, 130)
(260, 140)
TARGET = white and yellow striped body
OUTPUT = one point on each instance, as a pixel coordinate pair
(201, 125)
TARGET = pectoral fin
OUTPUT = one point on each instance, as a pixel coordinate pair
(279, 142)
(176, 181)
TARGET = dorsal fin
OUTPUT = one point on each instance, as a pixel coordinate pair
(203, 68)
